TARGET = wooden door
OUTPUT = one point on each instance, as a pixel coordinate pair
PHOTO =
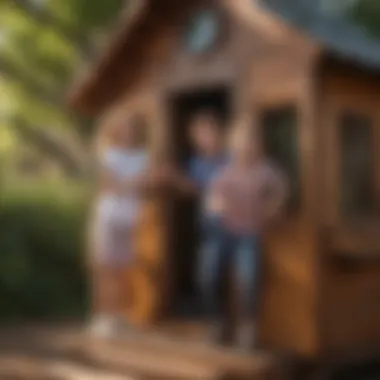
(146, 292)
(288, 313)
(148, 285)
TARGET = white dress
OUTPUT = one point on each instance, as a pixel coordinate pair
(116, 216)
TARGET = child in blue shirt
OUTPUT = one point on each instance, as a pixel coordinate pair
(208, 159)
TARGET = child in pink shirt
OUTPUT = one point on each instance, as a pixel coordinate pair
(248, 193)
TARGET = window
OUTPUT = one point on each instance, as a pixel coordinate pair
(280, 139)
(357, 190)
(203, 31)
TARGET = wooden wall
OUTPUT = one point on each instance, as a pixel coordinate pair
(350, 286)
(280, 75)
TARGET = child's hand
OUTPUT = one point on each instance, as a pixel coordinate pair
(215, 204)
(178, 178)
(182, 183)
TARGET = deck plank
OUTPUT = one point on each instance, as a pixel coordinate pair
(49, 353)
(198, 359)
(69, 371)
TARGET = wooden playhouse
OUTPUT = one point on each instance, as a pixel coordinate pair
(311, 82)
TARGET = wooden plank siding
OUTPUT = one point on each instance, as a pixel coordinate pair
(350, 286)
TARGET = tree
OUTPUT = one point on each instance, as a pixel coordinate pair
(367, 13)
(42, 44)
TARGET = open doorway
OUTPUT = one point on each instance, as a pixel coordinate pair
(185, 234)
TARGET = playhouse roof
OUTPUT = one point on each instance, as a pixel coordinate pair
(336, 35)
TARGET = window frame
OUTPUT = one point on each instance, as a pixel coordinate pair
(296, 209)
(334, 159)
(356, 236)
(221, 39)
(371, 125)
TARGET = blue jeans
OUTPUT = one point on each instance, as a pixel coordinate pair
(220, 249)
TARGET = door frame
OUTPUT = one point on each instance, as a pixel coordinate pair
(237, 79)
(170, 96)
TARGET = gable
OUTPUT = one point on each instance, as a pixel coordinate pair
(184, 68)
(150, 43)
(249, 34)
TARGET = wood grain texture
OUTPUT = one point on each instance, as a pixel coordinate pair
(350, 285)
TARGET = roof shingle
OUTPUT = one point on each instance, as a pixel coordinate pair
(337, 34)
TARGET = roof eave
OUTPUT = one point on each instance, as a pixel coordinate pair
(79, 96)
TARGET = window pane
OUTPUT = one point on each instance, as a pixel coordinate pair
(357, 186)
(203, 31)
(280, 136)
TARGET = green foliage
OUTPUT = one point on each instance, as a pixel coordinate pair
(43, 43)
(367, 13)
(86, 15)
(42, 260)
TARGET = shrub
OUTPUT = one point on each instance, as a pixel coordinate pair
(42, 266)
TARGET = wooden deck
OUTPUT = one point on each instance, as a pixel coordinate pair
(66, 353)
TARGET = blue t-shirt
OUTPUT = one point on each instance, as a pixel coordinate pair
(201, 171)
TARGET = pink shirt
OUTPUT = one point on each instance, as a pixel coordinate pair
(244, 194)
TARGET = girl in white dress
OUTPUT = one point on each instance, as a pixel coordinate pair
(125, 178)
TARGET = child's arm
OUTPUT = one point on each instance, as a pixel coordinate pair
(155, 176)
(215, 203)
(184, 184)
(109, 181)
(145, 181)
(150, 180)
(135, 184)
(216, 199)
(108, 178)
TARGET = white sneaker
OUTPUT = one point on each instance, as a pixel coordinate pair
(247, 337)
(216, 333)
(103, 326)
